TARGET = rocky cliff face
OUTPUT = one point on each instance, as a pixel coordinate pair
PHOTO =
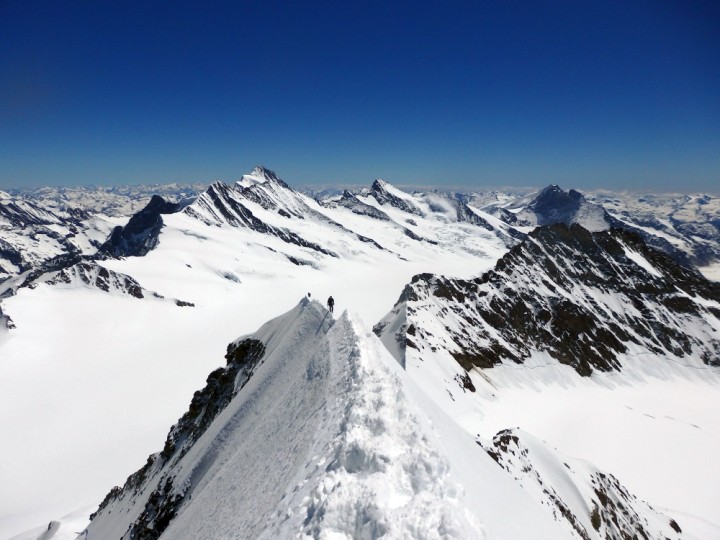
(386, 194)
(586, 299)
(31, 235)
(141, 233)
(163, 498)
(594, 504)
(225, 204)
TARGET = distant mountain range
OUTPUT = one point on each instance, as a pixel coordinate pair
(368, 423)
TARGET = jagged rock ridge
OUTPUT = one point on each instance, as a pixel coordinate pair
(93, 275)
(594, 504)
(342, 451)
(586, 299)
(142, 231)
(31, 235)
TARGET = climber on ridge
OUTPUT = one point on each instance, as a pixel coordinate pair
(331, 304)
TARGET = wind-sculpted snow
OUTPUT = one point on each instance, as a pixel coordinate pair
(308, 432)
(308, 440)
(593, 504)
(238, 464)
(588, 300)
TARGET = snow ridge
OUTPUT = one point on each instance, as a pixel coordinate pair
(593, 504)
(385, 478)
(340, 455)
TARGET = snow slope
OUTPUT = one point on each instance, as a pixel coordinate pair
(77, 353)
(84, 365)
(641, 408)
(347, 452)
(594, 504)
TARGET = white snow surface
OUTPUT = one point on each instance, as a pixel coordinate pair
(66, 528)
(90, 382)
(326, 441)
(84, 365)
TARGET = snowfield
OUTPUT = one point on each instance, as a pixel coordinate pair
(331, 437)
(657, 434)
(345, 453)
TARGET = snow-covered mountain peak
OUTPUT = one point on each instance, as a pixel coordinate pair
(259, 175)
(352, 449)
(616, 297)
(387, 194)
(341, 453)
(379, 184)
(553, 199)
(142, 231)
(554, 205)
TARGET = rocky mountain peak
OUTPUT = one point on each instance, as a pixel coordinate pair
(379, 185)
(386, 193)
(554, 205)
(583, 298)
(260, 175)
(141, 233)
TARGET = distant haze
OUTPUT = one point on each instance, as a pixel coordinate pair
(616, 95)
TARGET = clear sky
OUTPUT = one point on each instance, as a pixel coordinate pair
(615, 94)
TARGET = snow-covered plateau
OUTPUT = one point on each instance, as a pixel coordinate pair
(560, 382)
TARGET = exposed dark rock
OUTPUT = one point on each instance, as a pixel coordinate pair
(616, 513)
(356, 206)
(222, 385)
(9, 253)
(465, 382)
(141, 233)
(548, 294)
(224, 203)
(99, 277)
(159, 511)
(379, 191)
(6, 322)
(553, 205)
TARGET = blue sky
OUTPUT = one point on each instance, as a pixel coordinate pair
(580, 93)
